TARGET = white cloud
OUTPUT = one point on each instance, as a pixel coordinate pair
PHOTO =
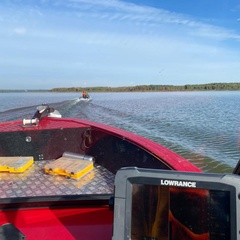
(116, 41)
(144, 15)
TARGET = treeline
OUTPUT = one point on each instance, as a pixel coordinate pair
(22, 90)
(156, 88)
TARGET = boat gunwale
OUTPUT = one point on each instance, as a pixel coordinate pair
(170, 158)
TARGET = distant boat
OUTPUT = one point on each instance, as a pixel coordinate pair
(85, 96)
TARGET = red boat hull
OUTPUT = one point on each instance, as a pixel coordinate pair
(42, 206)
(61, 223)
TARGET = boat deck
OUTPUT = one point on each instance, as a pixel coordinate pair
(35, 182)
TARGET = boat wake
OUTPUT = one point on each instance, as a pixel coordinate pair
(66, 108)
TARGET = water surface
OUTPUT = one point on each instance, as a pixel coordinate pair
(200, 126)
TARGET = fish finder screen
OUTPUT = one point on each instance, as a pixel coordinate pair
(179, 213)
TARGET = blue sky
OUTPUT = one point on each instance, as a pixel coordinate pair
(82, 43)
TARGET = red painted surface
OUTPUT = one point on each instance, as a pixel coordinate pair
(173, 160)
(63, 224)
(84, 222)
(44, 124)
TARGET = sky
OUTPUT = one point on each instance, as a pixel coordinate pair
(47, 44)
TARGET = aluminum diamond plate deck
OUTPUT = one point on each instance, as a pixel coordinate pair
(35, 182)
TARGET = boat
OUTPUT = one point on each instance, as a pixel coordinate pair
(85, 97)
(57, 175)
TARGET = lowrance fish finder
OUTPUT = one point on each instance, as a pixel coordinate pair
(153, 204)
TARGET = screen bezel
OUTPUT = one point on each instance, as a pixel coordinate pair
(129, 176)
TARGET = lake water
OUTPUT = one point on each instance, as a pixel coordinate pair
(200, 126)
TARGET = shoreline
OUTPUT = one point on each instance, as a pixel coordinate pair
(139, 88)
